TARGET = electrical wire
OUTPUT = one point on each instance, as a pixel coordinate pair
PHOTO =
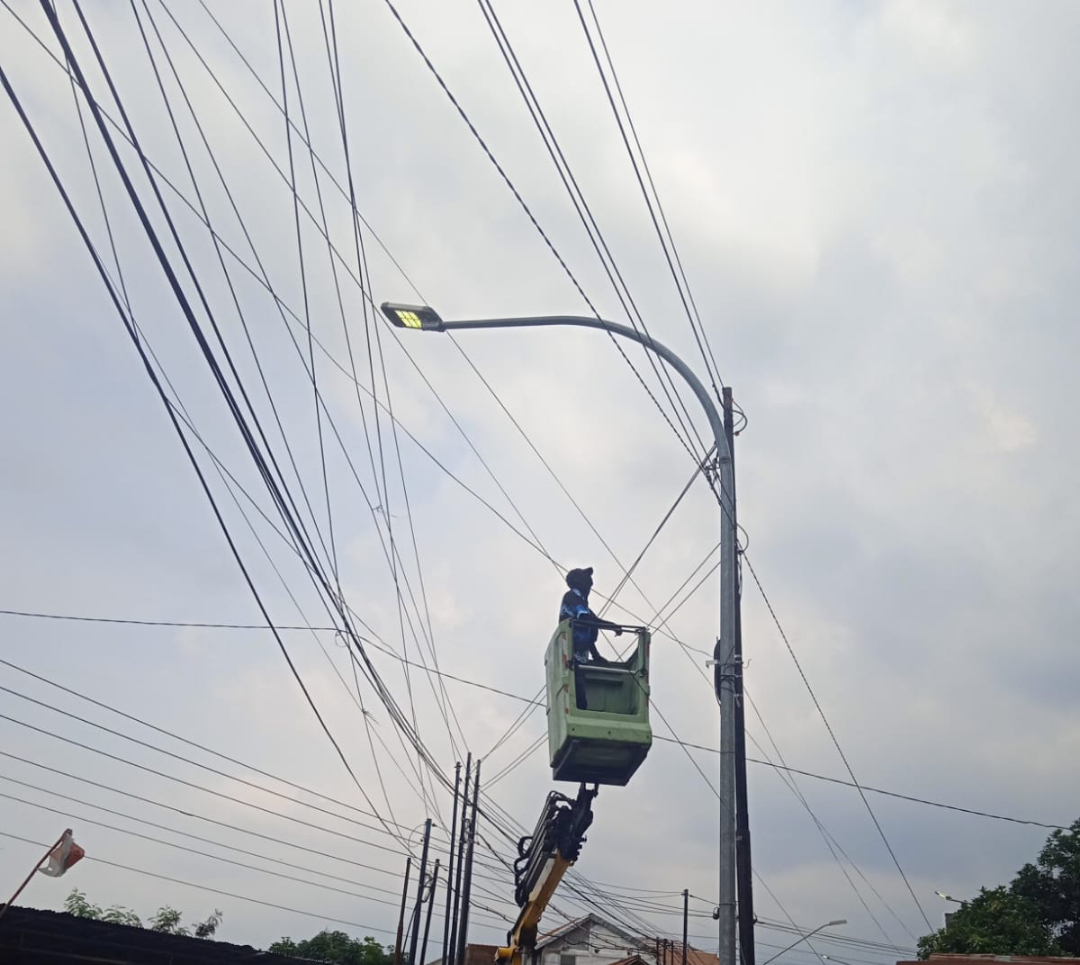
(854, 783)
(836, 743)
(532, 218)
(674, 262)
(101, 126)
(207, 888)
(185, 306)
(533, 701)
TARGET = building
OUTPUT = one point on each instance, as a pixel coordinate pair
(593, 941)
(32, 937)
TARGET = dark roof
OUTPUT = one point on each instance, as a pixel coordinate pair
(34, 937)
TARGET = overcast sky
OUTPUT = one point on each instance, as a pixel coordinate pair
(876, 208)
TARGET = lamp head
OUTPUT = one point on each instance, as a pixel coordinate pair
(422, 317)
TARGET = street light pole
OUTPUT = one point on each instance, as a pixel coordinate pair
(802, 938)
(424, 318)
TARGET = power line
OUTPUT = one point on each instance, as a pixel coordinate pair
(184, 812)
(687, 299)
(392, 553)
(213, 891)
(161, 623)
(204, 840)
(208, 790)
(193, 763)
(220, 858)
(534, 701)
(196, 851)
(417, 737)
(875, 790)
(309, 364)
(532, 218)
(316, 572)
(358, 280)
(836, 743)
(387, 699)
(187, 311)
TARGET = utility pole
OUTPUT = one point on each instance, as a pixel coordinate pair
(743, 865)
(419, 894)
(430, 905)
(725, 672)
(450, 867)
(463, 929)
(460, 863)
(401, 915)
(685, 920)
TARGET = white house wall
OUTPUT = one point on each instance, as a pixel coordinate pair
(592, 944)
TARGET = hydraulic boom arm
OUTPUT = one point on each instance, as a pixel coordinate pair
(543, 859)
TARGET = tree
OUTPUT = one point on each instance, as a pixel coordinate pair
(336, 947)
(1053, 886)
(997, 922)
(165, 919)
(1038, 913)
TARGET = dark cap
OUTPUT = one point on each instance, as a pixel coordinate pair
(580, 579)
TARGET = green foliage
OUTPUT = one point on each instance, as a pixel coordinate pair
(165, 920)
(1053, 886)
(336, 947)
(207, 928)
(1038, 913)
(77, 905)
(996, 922)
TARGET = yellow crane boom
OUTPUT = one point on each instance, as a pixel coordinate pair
(543, 858)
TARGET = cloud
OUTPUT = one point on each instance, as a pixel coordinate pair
(875, 209)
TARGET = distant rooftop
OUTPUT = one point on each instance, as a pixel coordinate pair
(57, 938)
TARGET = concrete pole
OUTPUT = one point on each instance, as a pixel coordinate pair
(685, 921)
(450, 867)
(466, 884)
(414, 941)
(401, 915)
(460, 862)
(430, 906)
(743, 864)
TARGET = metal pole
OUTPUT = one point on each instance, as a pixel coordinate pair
(450, 867)
(401, 914)
(725, 646)
(430, 905)
(461, 860)
(22, 887)
(419, 894)
(685, 921)
(463, 930)
(743, 864)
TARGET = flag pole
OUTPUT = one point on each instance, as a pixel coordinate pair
(21, 888)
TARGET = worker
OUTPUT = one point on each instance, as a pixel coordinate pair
(586, 625)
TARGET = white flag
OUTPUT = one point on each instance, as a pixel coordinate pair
(62, 857)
